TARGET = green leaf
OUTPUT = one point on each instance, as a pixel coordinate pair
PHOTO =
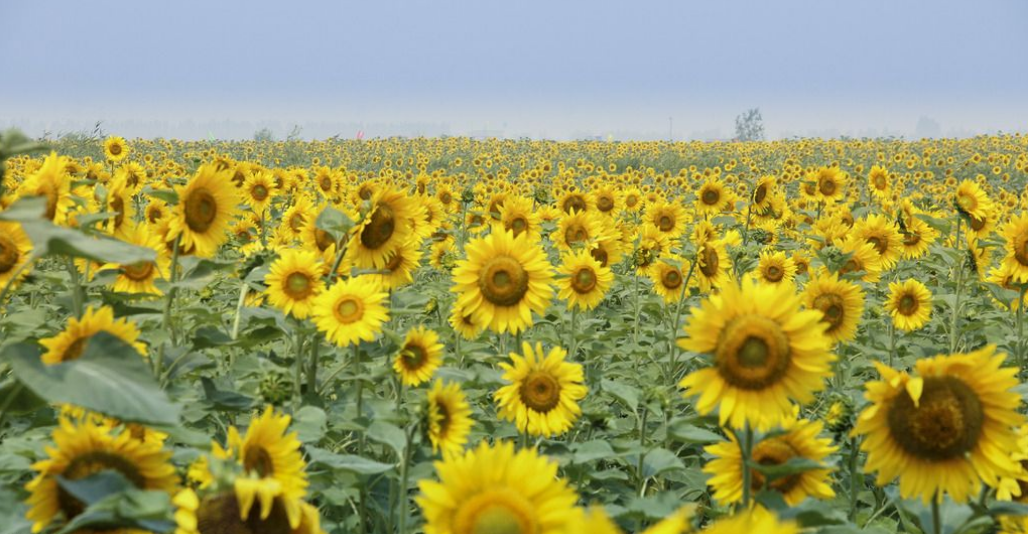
(388, 434)
(793, 466)
(688, 433)
(145, 510)
(623, 392)
(592, 450)
(659, 461)
(346, 462)
(97, 487)
(224, 400)
(169, 196)
(335, 222)
(309, 423)
(110, 378)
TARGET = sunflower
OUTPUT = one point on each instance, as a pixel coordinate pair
(764, 192)
(668, 217)
(712, 262)
(497, 489)
(314, 238)
(863, 258)
(294, 281)
(878, 182)
(518, 215)
(830, 184)
(884, 235)
(775, 267)
(573, 201)
(917, 236)
(141, 277)
(542, 398)
(970, 200)
(118, 201)
(1015, 232)
(115, 148)
(756, 520)
(596, 521)
(259, 190)
(464, 323)
(448, 418)
(503, 280)
(766, 352)
(386, 227)
(910, 304)
(419, 357)
(579, 228)
(222, 513)
(207, 205)
(945, 429)
(351, 311)
(70, 343)
(668, 277)
(82, 449)
(15, 252)
(713, 197)
(53, 182)
(840, 302)
(651, 244)
(295, 218)
(798, 439)
(585, 281)
(272, 462)
(605, 200)
(399, 270)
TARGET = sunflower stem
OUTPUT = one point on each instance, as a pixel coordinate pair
(405, 476)
(892, 342)
(298, 379)
(243, 290)
(674, 324)
(854, 478)
(936, 514)
(76, 288)
(312, 368)
(642, 445)
(169, 301)
(956, 298)
(747, 472)
(573, 339)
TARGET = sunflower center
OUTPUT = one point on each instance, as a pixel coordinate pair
(879, 243)
(967, 202)
(118, 205)
(445, 198)
(394, 261)
(910, 239)
(774, 451)
(259, 192)
(574, 203)
(828, 187)
(138, 272)
(752, 352)
(114, 149)
(978, 223)
(832, 308)
(414, 356)
(497, 511)
(540, 391)
(257, 460)
(665, 223)
(604, 203)
(518, 225)
(296, 222)
(8, 254)
(773, 273)
(576, 233)
(325, 183)
(1021, 249)
(380, 228)
(945, 424)
(219, 514)
(710, 261)
(349, 310)
(631, 201)
(584, 280)
(74, 351)
(672, 279)
(760, 194)
(881, 183)
(91, 463)
(201, 210)
(710, 197)
(154, 214)
(851, 266)
(600, 254)
(298, 286)
(907, 305)
(503, 281)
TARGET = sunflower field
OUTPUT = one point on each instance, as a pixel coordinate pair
(457, 336)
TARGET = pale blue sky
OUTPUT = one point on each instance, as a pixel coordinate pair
(552, 68)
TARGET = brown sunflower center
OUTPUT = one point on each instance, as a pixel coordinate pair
(201, 210)
(907, 304)
(517, 225)
(710, 197)
(296, 221)
(503, 281)
(414, 356)
(138, 272)
(445, 198)
(8, 254)
(496, 511)
(154, 213)
(298, 286)
(75, 349)
(752, 352)
(760, 194)
(575, 233)
(349, 310)
(709, 261)
(322, 239)
(257, 460)
(911, 239)
(325, 183)
(773, 273)
(259, 192)
(945, 423)
(118, 206)
(879, 242)
(584, 280)
(92, 463)
(1020, 246)
(574, 202)
(600, 254)
(671, 279)
(114, 149)
(665, 223)
(380, 228)
(881, 183)
(540, 391)
(632, 201)
(770, 452)
(219, 514)
(833, 309)
(828, 186)
(605, 203)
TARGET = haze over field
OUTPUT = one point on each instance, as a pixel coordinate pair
(535, 68)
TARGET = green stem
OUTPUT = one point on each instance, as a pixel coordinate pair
(15, 391)
(312, 369)
(746, 445)
(573, 341)
(672, 349)
(854, 478)
(642, 448)
(298, 379)
(956, 299)
(360, 380)
(405, 478)
(892, 342)
(158, 362)
(76, 287)
(936, 515)
(243, 290)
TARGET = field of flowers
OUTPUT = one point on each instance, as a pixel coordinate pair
(513, 337)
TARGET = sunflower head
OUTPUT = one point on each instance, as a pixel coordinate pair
(544, 390)
(419, 357)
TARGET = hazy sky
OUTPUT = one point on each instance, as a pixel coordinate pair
(542, 68)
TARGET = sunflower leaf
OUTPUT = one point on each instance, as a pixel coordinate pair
(96, 487)
(335, 222)
(793, 466)
(110, 378)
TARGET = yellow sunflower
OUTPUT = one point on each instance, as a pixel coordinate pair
(651, 245)
(756, 520)
(668, 217)
(464, 323)
(225, 512)
(585, 281)
(668, 277)
(946, 429)
(579, 228)
(831, 182)
(71, 342)
(713, 197)
(884, 235)
(503, 281)
(712, 265)
(351, 311)
(497, 489)
(15, 252)
(115, 148)
(294, 282)
(448, 418)
(863, 258)
(798, 439)
(910, 304)
(917, 236)
(420, 356)
(596, 521)
(206, 207)
(764, 192)
(970, 200)
(605, 200)
(259, 190)
(518, 215)
(141, 277)
(1015, 232)
(82, 449)
(775, 267)
(119, 202)
(399, 270)
(878, 182)
(840, 302)
(386, 227)
(544, 390)
(766, 351)
(53, 182)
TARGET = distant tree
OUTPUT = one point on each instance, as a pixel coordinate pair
(264, 134)
(927, 127)
(749, 126)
